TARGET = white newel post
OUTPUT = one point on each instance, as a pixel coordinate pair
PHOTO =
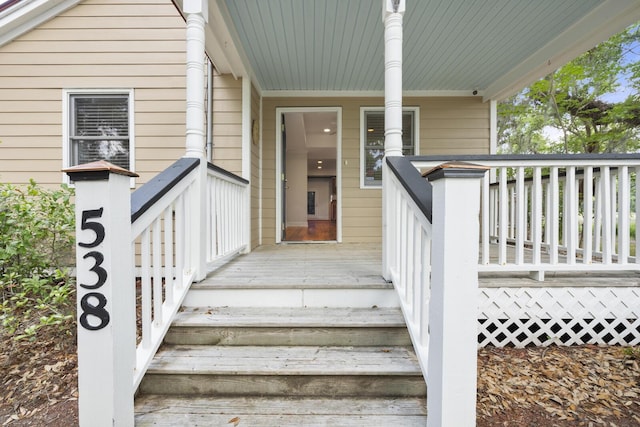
(392, 15)
(105, 295)
(453, 305)
(196, 11)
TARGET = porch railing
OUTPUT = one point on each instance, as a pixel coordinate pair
(529, 213)
(160, 226)
(137, 257)
(434, 269)
(227, 221)
(168, 212)
(557, 212)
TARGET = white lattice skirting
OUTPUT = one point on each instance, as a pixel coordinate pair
(523, 317)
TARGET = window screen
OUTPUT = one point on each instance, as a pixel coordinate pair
(99, 129)
(374, 144)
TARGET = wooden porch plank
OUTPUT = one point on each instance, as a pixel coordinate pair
(285, 420)
(232, 406)
(558, 279)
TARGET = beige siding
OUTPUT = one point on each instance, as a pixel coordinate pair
(227, 123)
(99, 44)
(447, 126)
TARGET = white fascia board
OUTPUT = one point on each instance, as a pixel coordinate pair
(441, 93)
(28, 14)
(223, 43)
(216, 53)
(609, 18)
(361, 93)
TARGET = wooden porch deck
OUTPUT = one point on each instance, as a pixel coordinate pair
(305, 264)
(334, 265)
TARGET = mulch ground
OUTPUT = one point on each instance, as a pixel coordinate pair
(559, 386)
(553, 386)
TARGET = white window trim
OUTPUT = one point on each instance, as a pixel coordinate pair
(363, 138)
(66, 152)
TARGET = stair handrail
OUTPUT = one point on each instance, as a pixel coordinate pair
(430, 228)
(160, 230)
(137, 255)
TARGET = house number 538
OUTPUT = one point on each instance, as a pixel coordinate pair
(93, 303)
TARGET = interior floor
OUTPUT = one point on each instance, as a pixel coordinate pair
(318, 230)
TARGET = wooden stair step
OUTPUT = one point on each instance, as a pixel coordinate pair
(200, 370)
(279, 360)
(282, 412)
(273, 326)
(289, 317)
(284, 385)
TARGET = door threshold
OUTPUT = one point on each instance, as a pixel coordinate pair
(307, 242)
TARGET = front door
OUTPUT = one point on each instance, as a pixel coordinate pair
(308, 150)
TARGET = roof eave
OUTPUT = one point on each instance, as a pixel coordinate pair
(611, 17)
(220, 39)
(28, 14)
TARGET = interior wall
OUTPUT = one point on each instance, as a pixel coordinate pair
(322, 188)
(296, 171)
(296, 188)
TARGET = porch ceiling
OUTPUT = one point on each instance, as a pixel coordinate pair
(494, 47)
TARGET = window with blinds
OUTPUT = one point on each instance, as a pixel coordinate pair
(99, 129)
(373, 146)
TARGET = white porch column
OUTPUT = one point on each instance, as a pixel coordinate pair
(453, 305)
(392, 12)
(196, 11)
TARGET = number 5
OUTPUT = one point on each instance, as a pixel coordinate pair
(92, 225)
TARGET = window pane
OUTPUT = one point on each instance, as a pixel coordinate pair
(375, 129)
(374, 144)
(100, 129)
(114, 151)
(373, 167)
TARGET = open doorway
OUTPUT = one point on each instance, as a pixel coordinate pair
(308, 154)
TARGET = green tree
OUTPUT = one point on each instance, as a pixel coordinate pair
(576, 101)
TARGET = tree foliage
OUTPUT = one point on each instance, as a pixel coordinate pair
(580, 104)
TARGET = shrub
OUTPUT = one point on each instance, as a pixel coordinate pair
(36, 248)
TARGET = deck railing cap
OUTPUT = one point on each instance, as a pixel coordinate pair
(96, 171)
(456, 170)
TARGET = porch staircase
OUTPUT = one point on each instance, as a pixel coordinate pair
(305, 364)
